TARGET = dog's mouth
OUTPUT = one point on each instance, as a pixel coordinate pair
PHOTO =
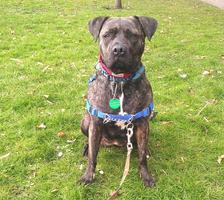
(121, 65)
(120, 68)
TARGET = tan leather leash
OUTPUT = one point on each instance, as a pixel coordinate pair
(129, 134)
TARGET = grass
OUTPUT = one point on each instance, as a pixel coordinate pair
(46, 58)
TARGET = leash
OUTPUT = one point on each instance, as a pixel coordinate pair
(129, 128)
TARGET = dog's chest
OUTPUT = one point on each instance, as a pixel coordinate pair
(136, 95)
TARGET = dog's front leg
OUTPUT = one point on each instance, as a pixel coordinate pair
(95, 134)
(142, 133)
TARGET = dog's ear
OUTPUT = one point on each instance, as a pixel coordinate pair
(148, 25)
(96, 25)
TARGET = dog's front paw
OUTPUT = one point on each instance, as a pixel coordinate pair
(86, 179)
(149, 182)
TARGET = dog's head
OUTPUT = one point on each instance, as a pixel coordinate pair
(122, 40)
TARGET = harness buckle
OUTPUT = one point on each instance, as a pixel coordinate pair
(94, 112)
(146, 112)
(106, 119)
(131, 118)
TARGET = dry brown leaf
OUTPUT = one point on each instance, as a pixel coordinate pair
(61, 134)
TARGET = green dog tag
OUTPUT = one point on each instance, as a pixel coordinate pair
(114, 104)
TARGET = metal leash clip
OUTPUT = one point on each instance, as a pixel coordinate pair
(130, 128)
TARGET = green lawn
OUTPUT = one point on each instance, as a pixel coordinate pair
(46, 58)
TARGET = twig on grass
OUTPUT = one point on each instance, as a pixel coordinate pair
(4, 156)
(207, 103)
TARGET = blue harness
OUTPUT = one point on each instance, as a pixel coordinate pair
(126, 117)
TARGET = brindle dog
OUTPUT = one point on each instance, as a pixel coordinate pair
(122, 42)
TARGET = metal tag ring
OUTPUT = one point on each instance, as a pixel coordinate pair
(129, 125)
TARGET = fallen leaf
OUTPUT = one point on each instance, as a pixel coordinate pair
(49, 102)
(60, 154)
(161, 77)
(41, 126)
(40, 63)
(166, 122)
(81, 167)
(46, 96)
(205, 73)
(183, 76)
(220, 159)
(71, 141)
(182, 159)
(16, 60)
(200, 57)
(54, 190)
(61, 134)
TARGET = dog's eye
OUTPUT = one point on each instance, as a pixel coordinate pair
(132, 35)
(106, 35)
(109, 34)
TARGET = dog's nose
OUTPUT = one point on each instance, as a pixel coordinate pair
(119, 50)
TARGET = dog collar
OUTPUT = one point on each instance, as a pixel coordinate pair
(126, 117)
(123, 77)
